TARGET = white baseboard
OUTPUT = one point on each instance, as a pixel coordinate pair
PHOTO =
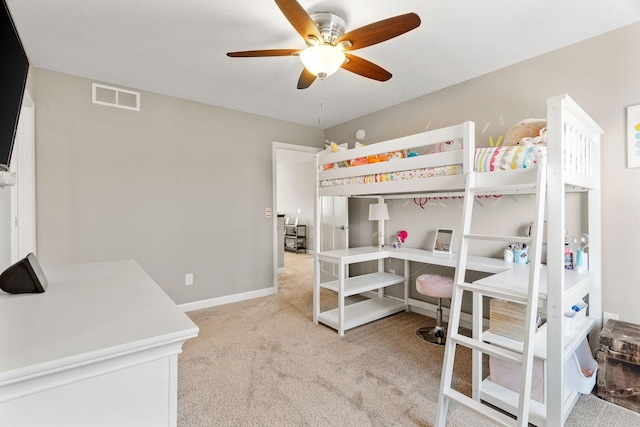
(198, 305)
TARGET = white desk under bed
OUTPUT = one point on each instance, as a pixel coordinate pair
(503, 275)
(347, 317)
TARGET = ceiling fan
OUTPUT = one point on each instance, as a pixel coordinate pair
(328, 44)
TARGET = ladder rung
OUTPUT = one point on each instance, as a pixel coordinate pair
(487, 348)
(484, 410)
(508, 239)
(502, 293)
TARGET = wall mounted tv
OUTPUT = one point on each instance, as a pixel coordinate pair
(14, 66)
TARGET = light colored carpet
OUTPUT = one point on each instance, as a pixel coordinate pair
(264, 363)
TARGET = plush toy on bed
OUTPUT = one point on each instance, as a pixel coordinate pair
(398, 154)
(377, 158)
(332, 147)
(400, 238)
(445, 146)
(360, 160)
(527, 132)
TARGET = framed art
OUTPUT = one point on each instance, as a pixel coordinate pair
(633, 136)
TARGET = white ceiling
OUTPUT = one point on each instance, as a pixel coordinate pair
(177, 47)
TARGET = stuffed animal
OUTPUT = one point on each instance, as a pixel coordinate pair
(445, 146)
(360, 160)
(527, 132)
(400, 238)
(377, 158)
(332, 147)
(538, 140)
(398, 154)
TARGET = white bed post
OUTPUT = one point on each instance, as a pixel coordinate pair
(317, 246)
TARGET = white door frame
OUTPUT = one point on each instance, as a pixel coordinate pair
(23, 194)
(276, 146)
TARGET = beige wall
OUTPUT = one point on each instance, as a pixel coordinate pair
(180, 187)
(602, 75)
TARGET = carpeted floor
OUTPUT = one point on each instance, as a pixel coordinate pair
(264, 363)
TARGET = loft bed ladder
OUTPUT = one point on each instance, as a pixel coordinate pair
(476, 185)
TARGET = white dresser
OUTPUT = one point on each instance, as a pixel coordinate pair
(99, 347)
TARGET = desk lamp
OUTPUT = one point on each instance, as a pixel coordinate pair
(378, 212)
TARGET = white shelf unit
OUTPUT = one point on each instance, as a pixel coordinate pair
(576, 287)
(295, 237)
(345, 316)
(507, 399)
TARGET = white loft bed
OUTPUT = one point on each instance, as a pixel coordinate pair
(573, 164)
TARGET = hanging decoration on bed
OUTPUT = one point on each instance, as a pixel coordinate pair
(495, 144)
(422, 201)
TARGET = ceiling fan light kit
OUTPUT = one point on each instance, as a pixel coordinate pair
(327, 42)
(322, 60)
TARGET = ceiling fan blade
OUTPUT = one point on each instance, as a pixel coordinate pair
(268, 52)
(365, 68)
(379, 31)
(299, 19)
(306, 78)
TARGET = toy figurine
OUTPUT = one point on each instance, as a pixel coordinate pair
(400, 238)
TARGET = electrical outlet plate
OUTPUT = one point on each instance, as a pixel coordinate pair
(606, 316)
(188, 279)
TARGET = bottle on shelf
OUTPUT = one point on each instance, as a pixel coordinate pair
(568, 253)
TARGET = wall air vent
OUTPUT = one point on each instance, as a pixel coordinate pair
(115, 97)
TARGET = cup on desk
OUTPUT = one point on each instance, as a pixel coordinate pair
(520, 256)
(508, 255)
(581, 261)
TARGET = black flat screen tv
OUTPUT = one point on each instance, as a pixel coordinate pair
(14, 66)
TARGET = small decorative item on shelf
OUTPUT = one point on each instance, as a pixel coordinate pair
(521, 256)
(400, 238)
(517, 252)
(508, 254)
(568, 253)
(581, 257)
(574, 317)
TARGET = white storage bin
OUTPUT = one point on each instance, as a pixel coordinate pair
(574, 318)
(507, 374)
(577, 368)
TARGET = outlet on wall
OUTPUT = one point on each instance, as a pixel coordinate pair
(606, 316)
(188, 279)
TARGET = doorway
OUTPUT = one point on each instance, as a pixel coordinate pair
(294, 196)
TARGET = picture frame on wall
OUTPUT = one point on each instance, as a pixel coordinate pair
(633, 136)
